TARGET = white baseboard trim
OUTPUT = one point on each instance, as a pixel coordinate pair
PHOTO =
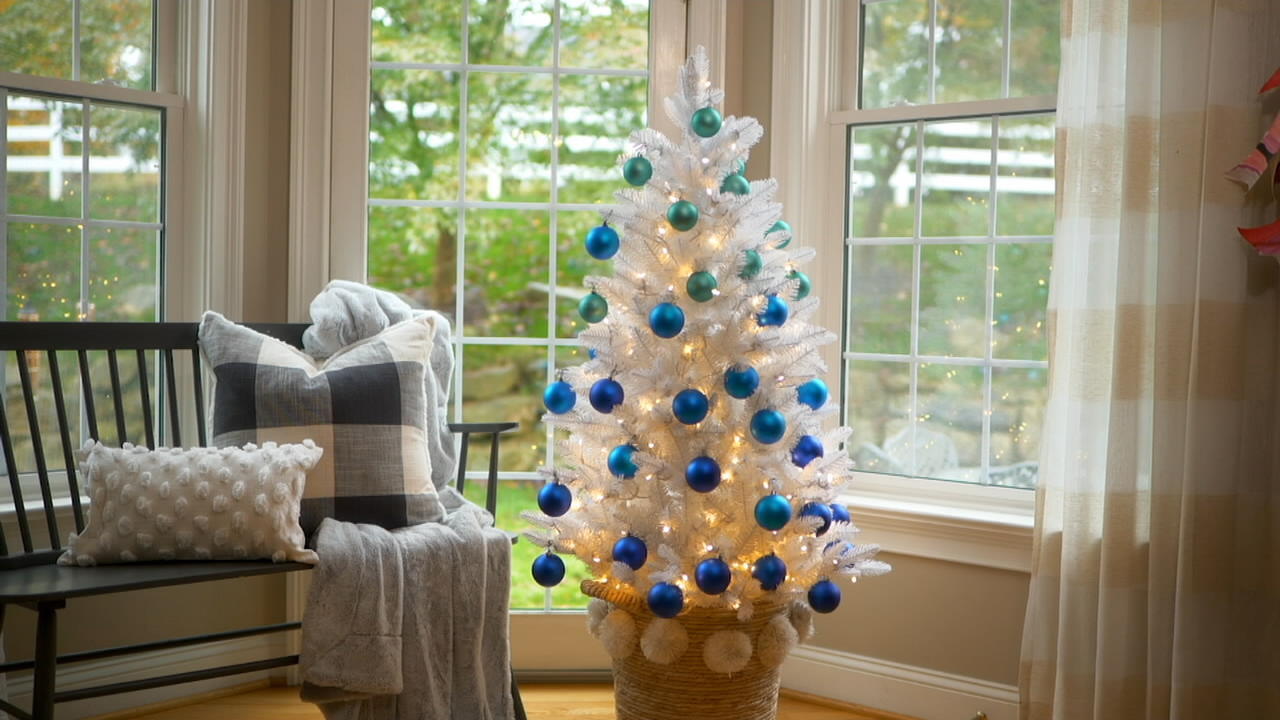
(144, 665)
(894, 687)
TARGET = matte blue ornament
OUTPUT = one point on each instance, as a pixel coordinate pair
(736, 184)
(813, 393)
(622, 461)
(768, 426)
(773, 512)
(559, 397)
(605, 395)
(666, 320)
(808, 448)
(706, 122)
(548, 570)
(637, 171)
(554, 499)
(840, 513)
(775, 312)
(804, 284)
(741, 383)
(780, 226)
(824, 596)
(771, 571)
(752, 264)
(682, 215)
(632, 551)
(820, 511)
(593, 307)
(602, 242)
(701, 286)
(690, 406)
(666, 600)
(702, 474)
(591, 353)
(713, 576)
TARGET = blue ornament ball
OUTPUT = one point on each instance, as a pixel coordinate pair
(702, 474)
(682, 215)
(605, 395)
(554, 499)
(622, 461)
(808, 448)
(666, 320)
(548, 570)
(602, 242)
(666, 600)
(591, 353)
(637, 171)
(736, 184)
(840, 513)
(768, 426)
(706, 122)
(559, 397)
(632, 551)
(775, 312)
(780, 226)
(741, 383)
(713, 576)
(771, 571)
(813, 393)
(820, 511)
(690, 406)
(824, 596)
(593, 307)
(773, 512)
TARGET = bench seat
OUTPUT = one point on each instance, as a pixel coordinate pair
(55, 582)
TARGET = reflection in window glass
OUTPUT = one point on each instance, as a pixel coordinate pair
(413, 134)
(37, 38)
(509, 137)
(424, 31)
(511, 32)
(895, 53)
(970, 50)
(957, 179)
(512, 304)
(880, 284)
(883, 180)
(608, 34)
(115, 42)
(43, 164)
(124, 163)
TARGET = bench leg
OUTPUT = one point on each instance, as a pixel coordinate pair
(46, 661)
(516, 702)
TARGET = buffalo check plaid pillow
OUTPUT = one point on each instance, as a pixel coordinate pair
(364, 405)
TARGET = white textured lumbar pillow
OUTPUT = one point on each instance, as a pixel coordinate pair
(196, 504)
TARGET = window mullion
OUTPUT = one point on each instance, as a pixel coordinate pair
(933, 51)
(988, 331)
(1006, 62)
(86, 121)
(4, 205)
(75, 40)
(461, 249)
(915, 292)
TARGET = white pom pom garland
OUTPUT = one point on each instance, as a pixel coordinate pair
(727, 651)
(618, 634)
(597, 609)
(776, 641)
(664, 641)
(802, 621)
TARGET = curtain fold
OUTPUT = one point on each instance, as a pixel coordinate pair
(1155, 588)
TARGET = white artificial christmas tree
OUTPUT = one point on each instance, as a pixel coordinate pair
(697, 472)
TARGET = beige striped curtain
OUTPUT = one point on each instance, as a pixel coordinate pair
(1155, 587)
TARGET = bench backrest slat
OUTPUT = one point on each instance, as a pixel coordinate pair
(37, 448)
(68, 450)
(122, 433)
(170, 376)
(145, 392)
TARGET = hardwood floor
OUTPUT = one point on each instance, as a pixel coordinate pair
(543, 702)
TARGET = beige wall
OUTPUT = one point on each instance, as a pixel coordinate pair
(748, 76)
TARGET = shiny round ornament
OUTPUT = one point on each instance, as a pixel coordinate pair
(666, 320)
(690, 406)
(780, 226)
(602, 242)
(682, 215)
(808, 448)
(840, 513)
(665, 600)
(701, 286)
(773, 512)
(702, 474)
(706, 122)
(632, 551)
(770, 570)
(813, 393)
(820, 511)
(622, 461)
(593, 307)
(752, 264)
(736, 184)
(805, 285)
(713, 576)
(768, 426)
(548, 570)
(605, 395)
(637, 171)
(775, 312)
(559, 397)
(824, 596)
(742, 166)
(741, 383)
(554, 499)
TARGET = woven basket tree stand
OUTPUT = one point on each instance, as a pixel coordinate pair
(686, 689)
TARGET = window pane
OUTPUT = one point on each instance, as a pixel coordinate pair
(428, 31)
(44, 156)
(124, 164)
(1022, 297)
(1024, 184)
(895, 53)
(504, 383)
(36, 37)
(510, 32)
(413, 251)
(957, 178)
(970, 54)
(1035, 48)
(953, 281)
(115, 42)
(509, 137)
(604, 34)
(413, 134)
(948, 433)
(123, 276)
(883, 181)
(42, 272)
(573, 265)
(597, 114)
(879, 403)
(507, 273)
(1018, 399)
(880, 299)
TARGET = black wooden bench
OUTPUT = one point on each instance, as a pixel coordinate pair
(30, 577)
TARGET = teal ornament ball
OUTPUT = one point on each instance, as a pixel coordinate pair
(701, 286)
(752, 264)
(773, 512)
(706, 122)
(742, 166)
(593, 308)
(637, 171)
(666, 320)
(768, 426)
(682, 215)
(804, 286)
(622, 461)
(736, 184)
(780, 226)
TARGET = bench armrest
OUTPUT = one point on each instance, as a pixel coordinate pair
(466, 430)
